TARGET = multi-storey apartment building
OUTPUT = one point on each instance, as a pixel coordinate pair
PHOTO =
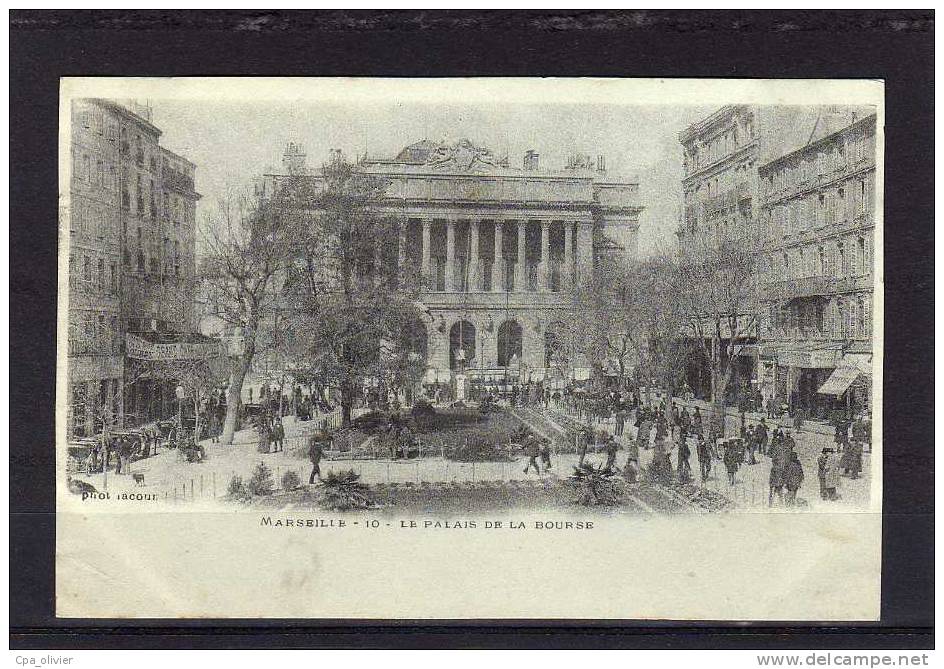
(720, 202)
(817, 229)
(131, 220)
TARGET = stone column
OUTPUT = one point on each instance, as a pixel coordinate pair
(401, 249)
(544, 273)
(427, 249)
(378, 263)
(498, 264)
(568, 254)
(474, 282)
(450, 254)
(584, 250)
(521, 273)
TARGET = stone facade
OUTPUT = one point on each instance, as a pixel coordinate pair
(818, 224)
(131, 226)
(499, 248)
(796, 184)
(720, 157)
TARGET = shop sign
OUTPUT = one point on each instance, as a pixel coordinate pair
(141, 349)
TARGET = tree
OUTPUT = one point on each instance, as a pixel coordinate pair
(247, 243)
(351, 309)
(714, 290)
(603, 324)
(626, 314)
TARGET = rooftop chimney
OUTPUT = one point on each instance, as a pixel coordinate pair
(531, 160)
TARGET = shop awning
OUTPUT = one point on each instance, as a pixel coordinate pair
(850, 368)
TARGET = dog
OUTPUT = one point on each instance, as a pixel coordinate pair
(138, 478)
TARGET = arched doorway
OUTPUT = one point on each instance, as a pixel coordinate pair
(461, 345)
(510, 339)
(555, 353)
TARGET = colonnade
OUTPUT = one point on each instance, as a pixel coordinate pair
(505, 273)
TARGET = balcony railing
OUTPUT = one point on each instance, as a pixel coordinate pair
(808, 286)
(811, 286)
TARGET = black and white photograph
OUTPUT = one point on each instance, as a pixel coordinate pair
(506, 315)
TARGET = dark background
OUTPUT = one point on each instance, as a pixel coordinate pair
(896, 46)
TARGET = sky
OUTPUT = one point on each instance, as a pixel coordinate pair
(232, 141)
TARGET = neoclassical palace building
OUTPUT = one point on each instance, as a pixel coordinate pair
(499, 248)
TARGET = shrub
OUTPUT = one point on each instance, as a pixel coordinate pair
(595, 487)
(421, 408)
(480, 448)
(371, 422)
(237, 489)
(261, 481)
(660, 469)
(342, 491)
(290, 480)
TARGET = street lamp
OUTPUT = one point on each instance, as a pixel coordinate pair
(179, 390)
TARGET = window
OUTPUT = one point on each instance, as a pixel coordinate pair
(101, 274)
(115, 341)
(840, 260)
(141, 260)
(786, 265)
(823, 262)
(840, 318)
(860, 313)
(861, 264)
(101, 334)
(98, 220)
(86, 168)
(87, 270)
(113, 278)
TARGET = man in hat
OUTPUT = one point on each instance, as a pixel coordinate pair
(532, 450)
(821, 465)
(546, 453)
(611, 447)
(583, 441)
(760, 436)
(684, 468)
(830, 469)
(316, 446)
(703, 452)
(793, 479)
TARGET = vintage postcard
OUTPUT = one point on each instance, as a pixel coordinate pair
(470, 348)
